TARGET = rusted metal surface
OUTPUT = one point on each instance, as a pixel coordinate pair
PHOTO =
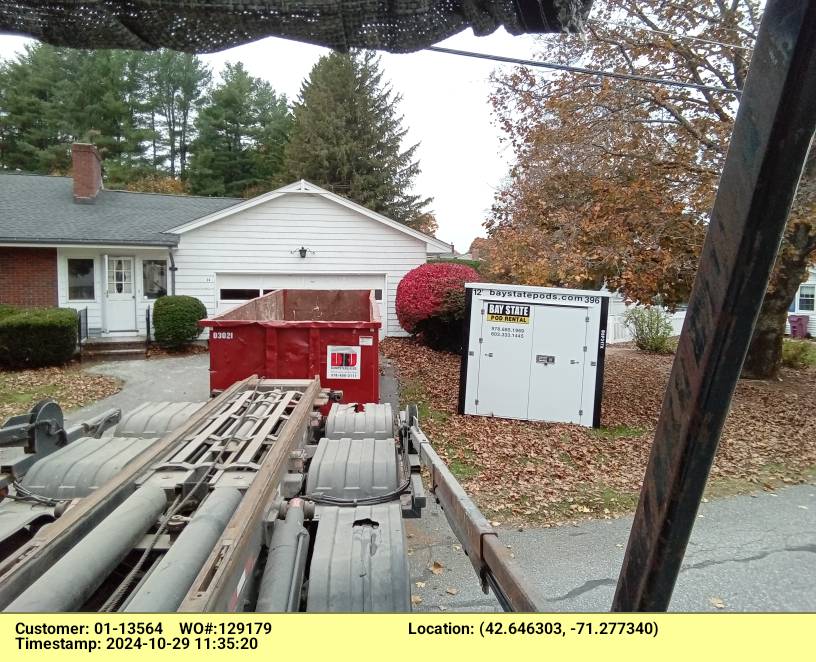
(330, 305)
(266, 307)
(490, 558)
(773, 131)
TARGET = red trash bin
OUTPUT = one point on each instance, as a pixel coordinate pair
(297, 334)
(798, 325)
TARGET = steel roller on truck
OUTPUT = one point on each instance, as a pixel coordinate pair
(254, 501)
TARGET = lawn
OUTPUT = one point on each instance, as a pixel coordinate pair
(799, 353)
(546, 473)
(70, 386)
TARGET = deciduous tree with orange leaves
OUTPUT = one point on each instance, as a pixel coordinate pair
(614, 179)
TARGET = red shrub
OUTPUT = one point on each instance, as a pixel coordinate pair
(430, 302)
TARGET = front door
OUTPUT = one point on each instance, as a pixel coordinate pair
(120, 294)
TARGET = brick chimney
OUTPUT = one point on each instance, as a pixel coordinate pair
(87, 170)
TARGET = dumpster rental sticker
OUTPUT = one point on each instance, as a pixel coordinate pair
(508, 313)
(366, 341)
(343, 362)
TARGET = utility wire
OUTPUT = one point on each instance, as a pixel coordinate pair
(674, 35)
(583, 70)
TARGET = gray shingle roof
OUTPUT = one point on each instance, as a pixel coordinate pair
(41, 209)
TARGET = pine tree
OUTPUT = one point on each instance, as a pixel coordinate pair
(34, 131)
(173, 86)
(347, 137)
(102, 103)
(242, 129)
(138, 108)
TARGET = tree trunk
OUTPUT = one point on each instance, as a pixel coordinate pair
(765, 351)
(153, 136)
(790, 271)
(183, 143)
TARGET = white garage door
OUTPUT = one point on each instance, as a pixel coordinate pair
(233, 289)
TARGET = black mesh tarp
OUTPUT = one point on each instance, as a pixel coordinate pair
(210, 25)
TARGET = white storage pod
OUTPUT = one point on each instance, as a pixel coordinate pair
(533, 353)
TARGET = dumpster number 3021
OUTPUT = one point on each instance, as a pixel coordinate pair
(222, 335)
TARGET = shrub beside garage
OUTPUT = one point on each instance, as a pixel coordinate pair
(7, 311)
(37, 337)
(431, 303)
(175, 320)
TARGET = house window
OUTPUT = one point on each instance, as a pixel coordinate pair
(238, 294)
(120, 275)
(80, 279)
(154, 278)
(806, 297)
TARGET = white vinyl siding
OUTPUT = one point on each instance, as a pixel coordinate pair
(266, 239)
(94, 307)
(96, 316)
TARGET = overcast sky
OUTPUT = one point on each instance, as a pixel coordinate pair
(445, 107)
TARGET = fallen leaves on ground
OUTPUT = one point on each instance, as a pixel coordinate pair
(157, 352)
(551, 472)
(437, 568)
(717, 603)
(69, 385)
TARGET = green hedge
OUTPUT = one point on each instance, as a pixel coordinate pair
(473, 264)
(7, 311)
(37, 337)
(175, 319)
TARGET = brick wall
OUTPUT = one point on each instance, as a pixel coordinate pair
(28, 276)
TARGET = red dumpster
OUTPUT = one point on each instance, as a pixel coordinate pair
(297, 334)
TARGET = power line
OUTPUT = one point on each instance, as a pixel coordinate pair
(671, 34)
(583, 70)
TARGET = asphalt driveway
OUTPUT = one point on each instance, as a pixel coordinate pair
(182, 379)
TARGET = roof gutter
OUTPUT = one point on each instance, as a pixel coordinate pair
(74, 243)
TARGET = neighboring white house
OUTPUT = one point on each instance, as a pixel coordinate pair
(74, 244)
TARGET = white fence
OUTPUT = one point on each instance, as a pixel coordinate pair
(616, 331)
